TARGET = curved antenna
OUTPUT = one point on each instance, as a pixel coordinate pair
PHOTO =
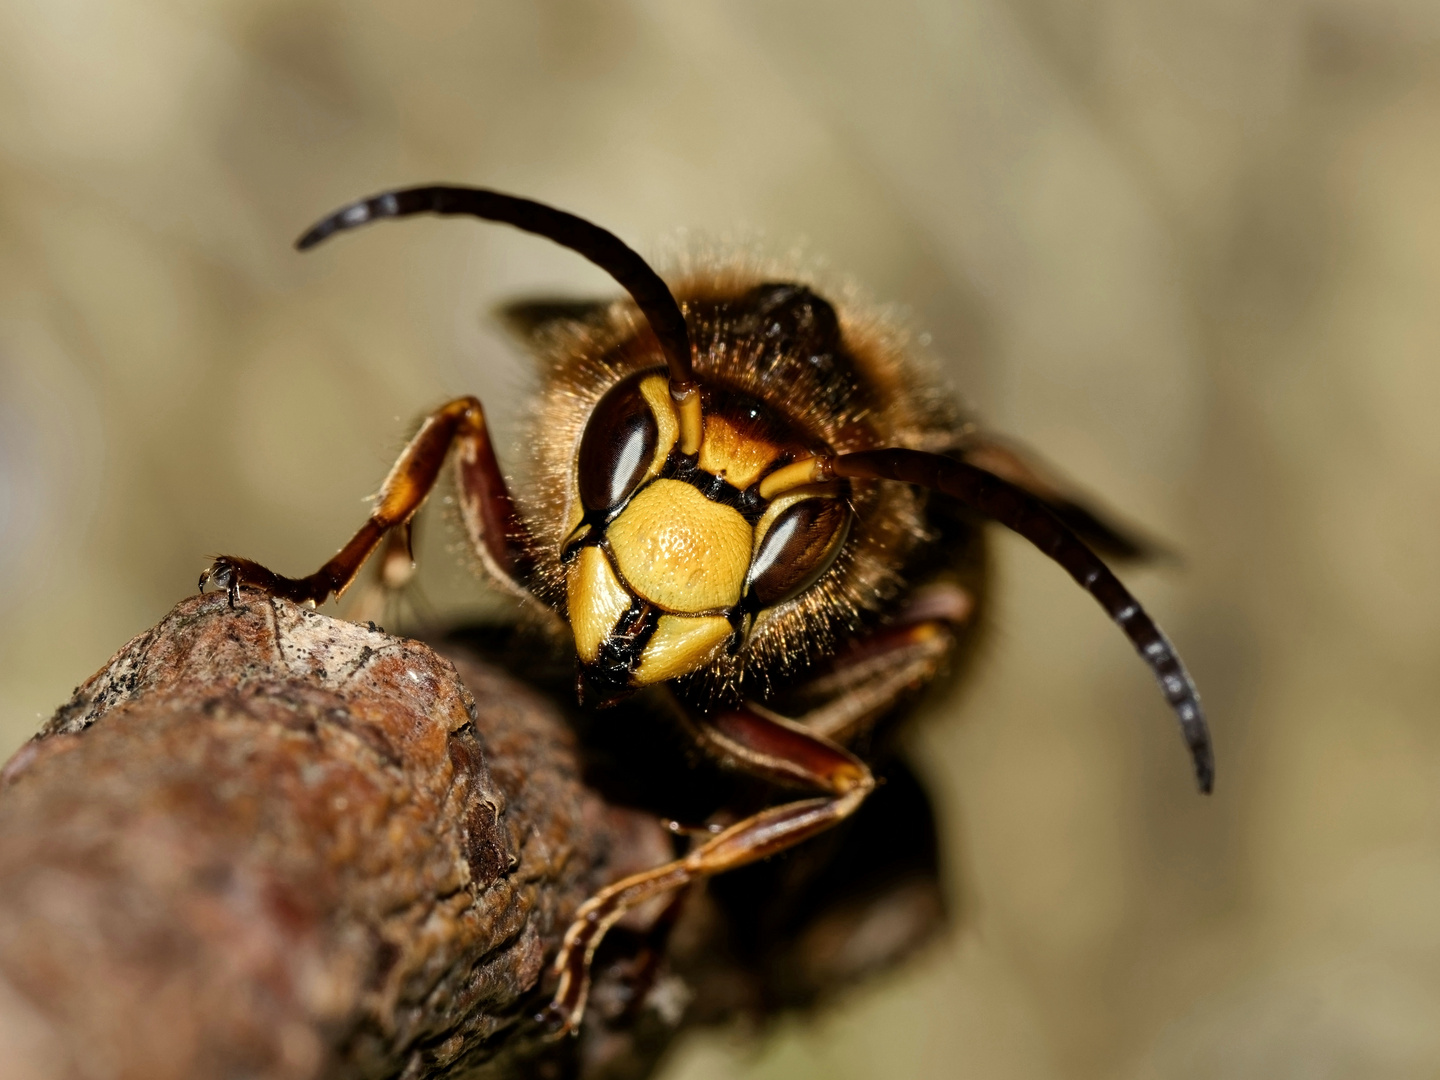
(603, 248)
(1027, 515)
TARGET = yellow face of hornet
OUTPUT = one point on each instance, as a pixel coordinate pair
(670, 558)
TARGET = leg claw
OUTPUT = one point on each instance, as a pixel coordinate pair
(223, 573)
(556, 1020)
(229, 572)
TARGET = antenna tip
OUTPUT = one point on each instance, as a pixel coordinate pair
(1204, 768)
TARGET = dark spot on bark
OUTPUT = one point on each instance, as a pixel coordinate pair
(213, 877)
(387, 953)
(484, 847)
(462, 757)
(486, 843)
(288, 907)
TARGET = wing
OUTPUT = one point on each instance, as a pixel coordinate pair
(1022, 468)
(532, 322)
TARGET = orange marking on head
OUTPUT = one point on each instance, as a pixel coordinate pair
(737, 455)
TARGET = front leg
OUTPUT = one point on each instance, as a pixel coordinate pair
(761, 743)
(496, 531)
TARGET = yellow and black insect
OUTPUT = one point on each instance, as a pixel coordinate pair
(735, 496)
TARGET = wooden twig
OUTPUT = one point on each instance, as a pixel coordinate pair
(263, 842)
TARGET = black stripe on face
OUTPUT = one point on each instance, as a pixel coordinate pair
(607, 680)
(715, 488)
(747, 503)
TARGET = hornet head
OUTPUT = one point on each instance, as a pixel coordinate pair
(671, 556)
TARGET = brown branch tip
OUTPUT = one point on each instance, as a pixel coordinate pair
(263, 842)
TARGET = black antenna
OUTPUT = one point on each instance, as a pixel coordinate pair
(603, 248)
(1027, 515)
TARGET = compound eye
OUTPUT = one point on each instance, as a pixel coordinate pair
(800, 545)
(617, 447)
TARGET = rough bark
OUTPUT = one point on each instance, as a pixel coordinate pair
(263, 842)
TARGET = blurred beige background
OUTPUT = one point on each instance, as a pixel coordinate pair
(1191, 250)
